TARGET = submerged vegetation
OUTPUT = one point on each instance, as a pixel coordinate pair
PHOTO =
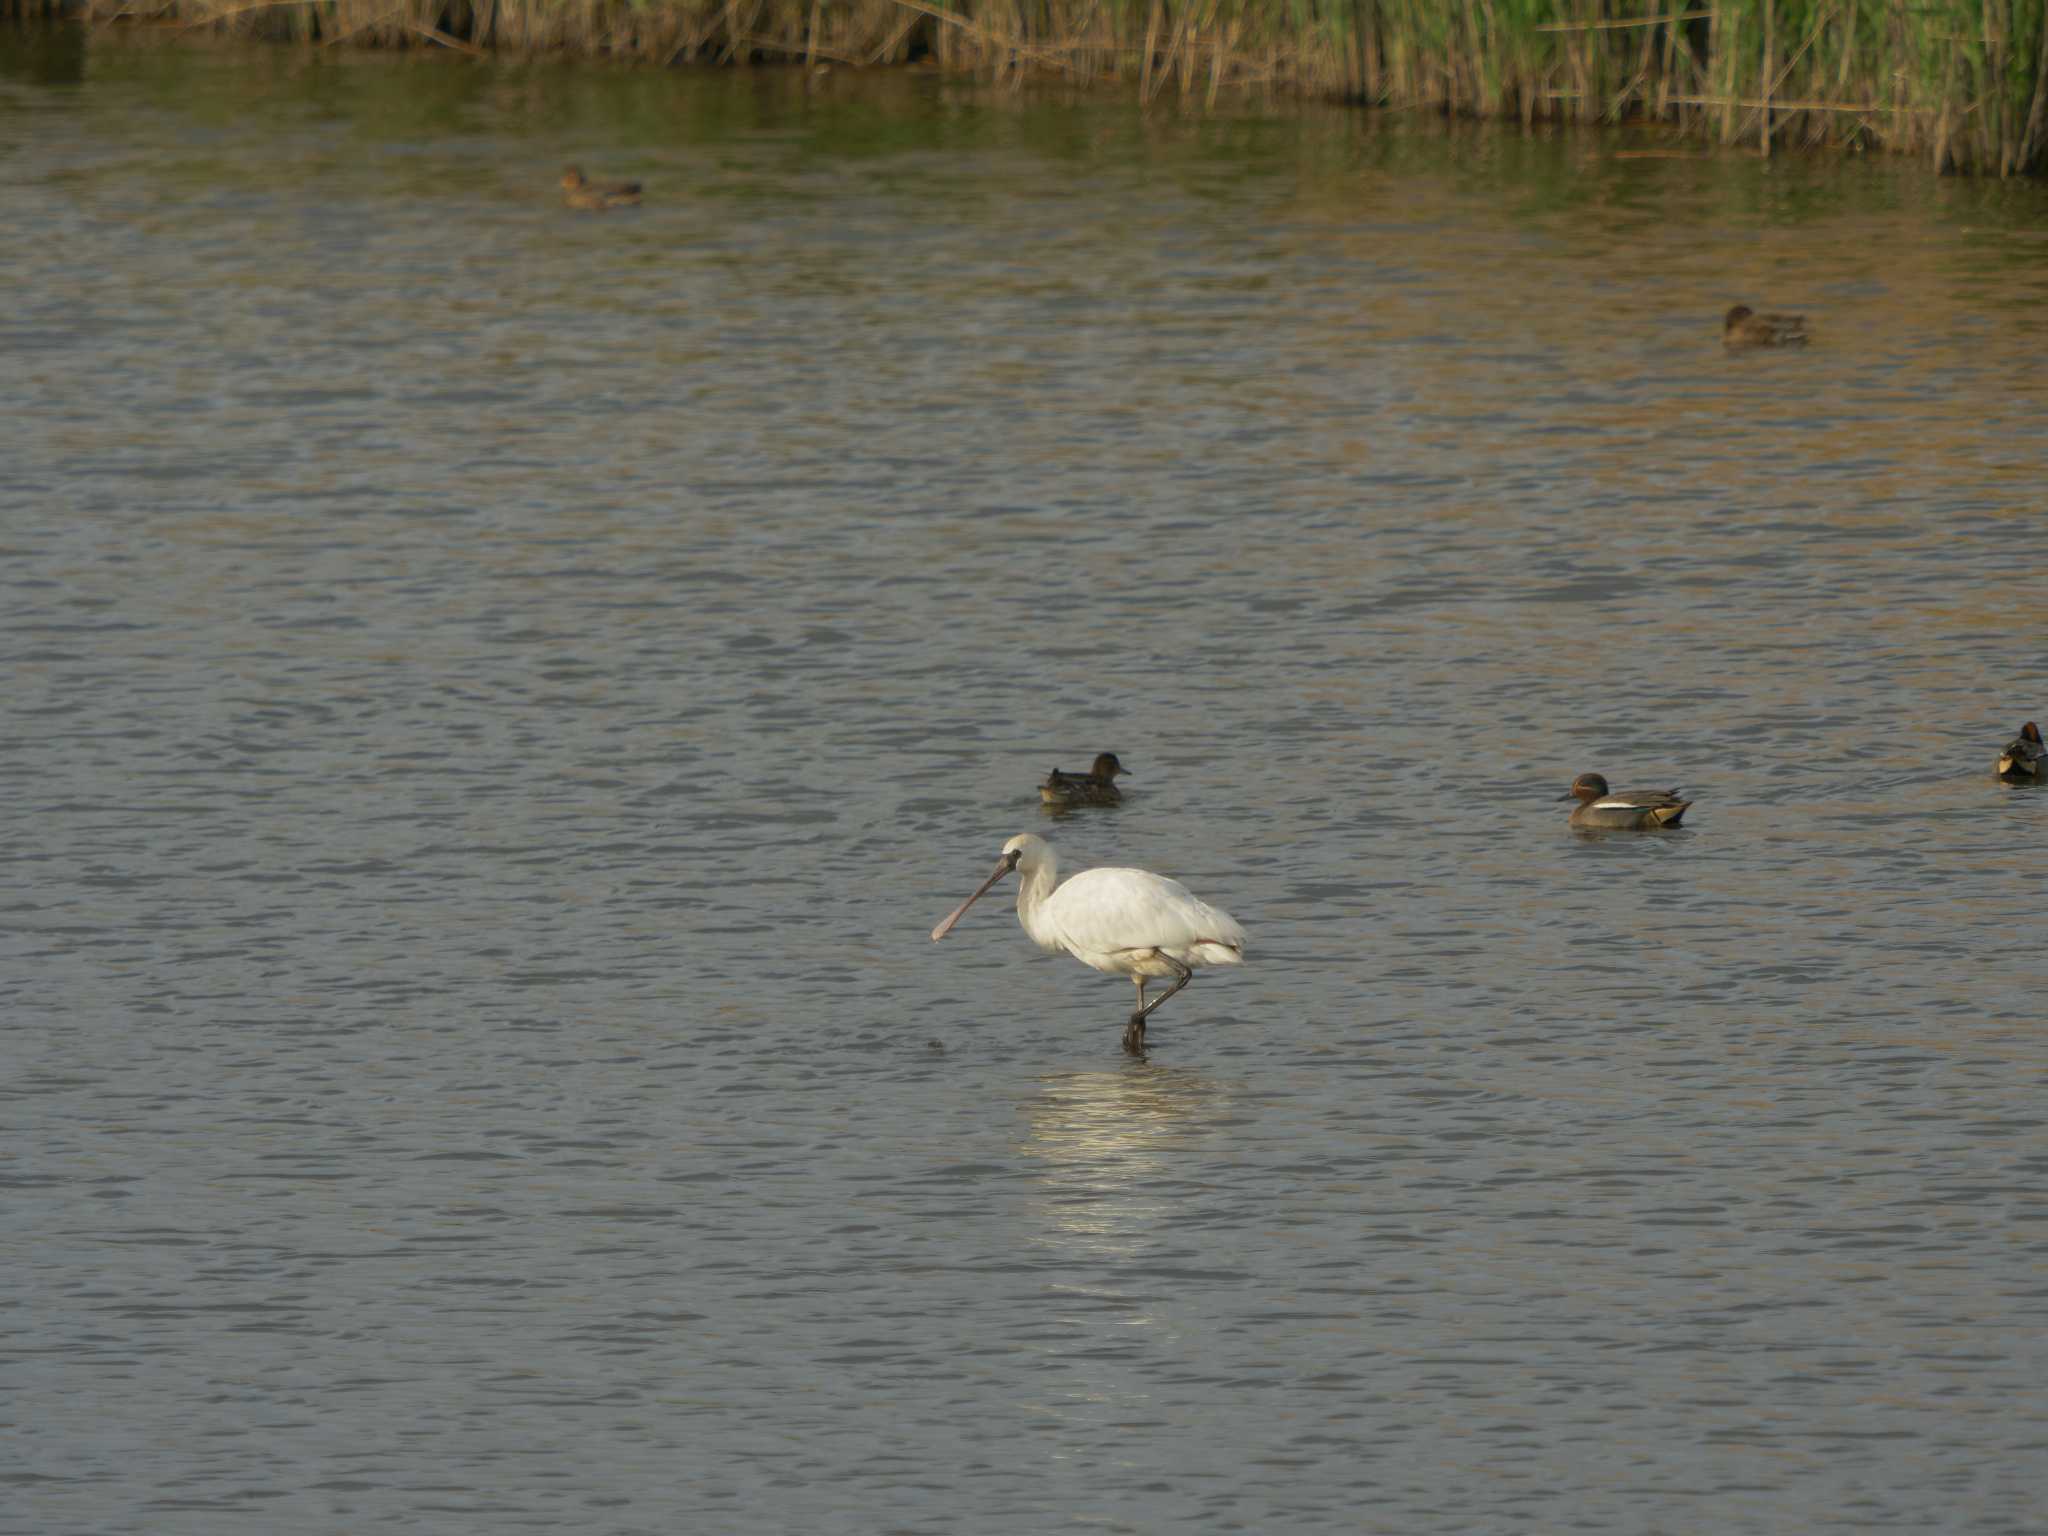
(1963, 82)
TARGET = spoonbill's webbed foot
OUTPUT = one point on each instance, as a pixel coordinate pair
(1134, 1036)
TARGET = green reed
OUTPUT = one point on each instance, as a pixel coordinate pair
(1964, 82)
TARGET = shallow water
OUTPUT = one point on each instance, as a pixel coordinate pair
(501, 696)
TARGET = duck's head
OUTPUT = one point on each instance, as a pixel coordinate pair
(2031, 732)
(1587, 786)
(1736, 316)
(572, 178)
(1106, 766)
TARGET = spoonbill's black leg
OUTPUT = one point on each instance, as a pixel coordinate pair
(1181, 977)
(1134, 1032)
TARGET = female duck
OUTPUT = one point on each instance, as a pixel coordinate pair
(1095, 787)
(595, 196)
(1628, 810)
(1744, 327)
(2026, 760)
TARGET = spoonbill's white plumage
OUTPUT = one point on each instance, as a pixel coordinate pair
(1129, 922)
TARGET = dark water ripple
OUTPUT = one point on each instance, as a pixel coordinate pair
(499, 700)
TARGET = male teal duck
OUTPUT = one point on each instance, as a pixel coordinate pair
(1744, 327)
(1628, 810)
(595, 196)
(2025, 761)
(1095, 787)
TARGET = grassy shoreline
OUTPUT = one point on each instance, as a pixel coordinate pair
(1963, 83)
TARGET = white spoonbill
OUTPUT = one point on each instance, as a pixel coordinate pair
(1129, 922)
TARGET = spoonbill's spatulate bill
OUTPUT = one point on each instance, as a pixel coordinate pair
(1128, 922)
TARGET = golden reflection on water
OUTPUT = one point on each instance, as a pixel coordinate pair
(1106, 1144)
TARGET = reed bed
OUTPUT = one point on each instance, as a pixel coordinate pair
(1963, 82)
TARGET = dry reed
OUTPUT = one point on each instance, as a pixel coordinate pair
(1963, 82)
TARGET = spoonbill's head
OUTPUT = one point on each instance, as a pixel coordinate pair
(1027, 852)
(1106, 766)
(1023, 852)
(1587, 786)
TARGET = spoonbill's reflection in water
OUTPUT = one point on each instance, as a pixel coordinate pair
(1129, 922)
(1115, 1154)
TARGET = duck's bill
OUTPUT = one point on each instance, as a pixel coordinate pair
(1008, 863)
(1567, 795)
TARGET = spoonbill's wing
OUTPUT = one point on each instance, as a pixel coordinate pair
(1102, 911)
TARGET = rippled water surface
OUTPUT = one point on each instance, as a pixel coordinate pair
(498, 699)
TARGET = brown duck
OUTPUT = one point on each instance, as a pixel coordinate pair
(1095, 787)
(1627, 810)
(596, 196)
(1744, 327)
(2025, 761)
